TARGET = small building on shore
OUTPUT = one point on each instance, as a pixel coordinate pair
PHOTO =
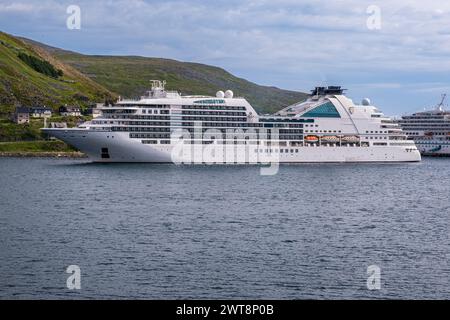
(21, 115)
(67, 111)
(40, 112)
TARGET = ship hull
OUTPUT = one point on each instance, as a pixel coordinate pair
(101, 146)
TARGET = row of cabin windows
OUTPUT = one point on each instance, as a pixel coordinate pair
(191, 124)
(144, 123)
(150, 111)
(138, 129)
(293, 150)
(211, 142)
(244, 142)
(113, 111)
(151, 129)
(375, 138)
(240, 119)
(167, 136)
(276, 150)
(149, 135)
(432, 143)
(205, 123)
(250, 125)
(291, 131)
(190, 127)
(224, 113)
(376, 131)
(434, 133)
(128, 129)
(422, 118)
(224, 124)
(284, 131)
(295, 144)
(159, 106)
(155, 141)
(427, 125)
(286, 135)
(286, 120)
(209, 107)
(324, 131)
(139, 117)
(421, 122)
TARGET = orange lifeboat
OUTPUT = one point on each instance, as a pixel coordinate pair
(312, 139)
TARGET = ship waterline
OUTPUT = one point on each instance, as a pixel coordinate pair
(166, 127)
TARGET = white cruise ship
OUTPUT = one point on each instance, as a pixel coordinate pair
(164, 126)
(430, 130)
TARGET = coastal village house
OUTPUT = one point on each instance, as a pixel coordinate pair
(40, 112)
(21, 115)
(67, 111)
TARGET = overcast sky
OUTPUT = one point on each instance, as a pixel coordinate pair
(293, 44)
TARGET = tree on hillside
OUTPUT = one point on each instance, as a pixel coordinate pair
(41, 66)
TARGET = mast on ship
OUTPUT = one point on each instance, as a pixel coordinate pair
(440, 106)
(158, 89)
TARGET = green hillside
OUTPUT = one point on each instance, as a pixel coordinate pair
(33, 73)
(29, 75)
(129, 77)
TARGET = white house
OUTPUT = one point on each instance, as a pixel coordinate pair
(66, 111)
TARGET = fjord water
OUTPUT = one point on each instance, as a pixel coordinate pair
(166, 231)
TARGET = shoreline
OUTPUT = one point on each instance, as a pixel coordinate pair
(49, 154)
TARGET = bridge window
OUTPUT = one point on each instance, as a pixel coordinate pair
(326, 110)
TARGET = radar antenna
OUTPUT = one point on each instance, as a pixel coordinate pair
(158, 84)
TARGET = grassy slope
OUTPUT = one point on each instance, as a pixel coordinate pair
(20, 84)
(129, 77)
(10, 131)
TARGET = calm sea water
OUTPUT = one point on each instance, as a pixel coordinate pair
(169, 232)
